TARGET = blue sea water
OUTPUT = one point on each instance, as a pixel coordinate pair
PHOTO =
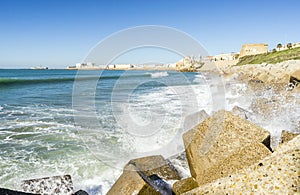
(39, 136)
(90, 123)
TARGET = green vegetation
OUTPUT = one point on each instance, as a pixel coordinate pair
(279, 46)
(272, 57)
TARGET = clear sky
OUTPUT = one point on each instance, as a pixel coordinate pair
(57, 33)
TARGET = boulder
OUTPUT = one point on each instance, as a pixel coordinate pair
(296, 89)
(81, 192)
(184, 185)
(223, 137)
(265, 77)
(294, 81)
(181, 164)
(12, 192)
(284, 79)
(278, 173)
(131, 182)
(49, 185)
(151, 165)
(160, 185)
(295, 77)
(287, 136)
(145, 175)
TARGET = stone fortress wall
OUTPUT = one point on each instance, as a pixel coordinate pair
(253, 49)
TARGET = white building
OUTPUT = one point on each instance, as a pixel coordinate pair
(225, 57)
(172, 65)
(87, 65)
(296, 45)
(90, 64)
(120, 66)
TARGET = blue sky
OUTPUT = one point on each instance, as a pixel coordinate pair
(57, 33)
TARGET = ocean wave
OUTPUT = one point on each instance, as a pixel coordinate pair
(159, 74)
(13, 81)
(199, 78)
(25, 81)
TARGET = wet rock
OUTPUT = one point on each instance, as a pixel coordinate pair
(81, 192)
(132, 182)
(151, 165)
(276, 174)
(145, 176)
(49, 185)
(287, 136)
(295, 78)
(160, 185)
(222, 140)
(184, 185)
(12, 192)
(181, 164)
(296, 89)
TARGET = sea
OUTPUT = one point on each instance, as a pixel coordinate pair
(89, 123)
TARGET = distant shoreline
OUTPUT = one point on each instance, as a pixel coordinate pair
(172, 69)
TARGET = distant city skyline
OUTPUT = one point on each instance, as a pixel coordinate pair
(59, 33)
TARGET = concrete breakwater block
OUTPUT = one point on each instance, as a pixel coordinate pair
(130, 182)
(242, 157)
(278, 173)
(145, 176)
(295, 77)
(81, 192)
(49, 185)
(287, 136)
(12, 192)
(223, 144)
(184, 185)
(157, 164)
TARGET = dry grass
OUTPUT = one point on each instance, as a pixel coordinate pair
(272, 57)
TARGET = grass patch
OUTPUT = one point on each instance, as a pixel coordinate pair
(272, 57)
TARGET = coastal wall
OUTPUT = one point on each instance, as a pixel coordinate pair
(253, 49)
(266, 73)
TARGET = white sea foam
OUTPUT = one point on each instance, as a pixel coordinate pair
(182, 167)
(199, 78)
(159, 74)
(100, 184)
(167, 103)
(284, 114)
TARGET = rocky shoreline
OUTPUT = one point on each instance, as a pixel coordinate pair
(227, 152)
(239, 160)
(286, 72)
